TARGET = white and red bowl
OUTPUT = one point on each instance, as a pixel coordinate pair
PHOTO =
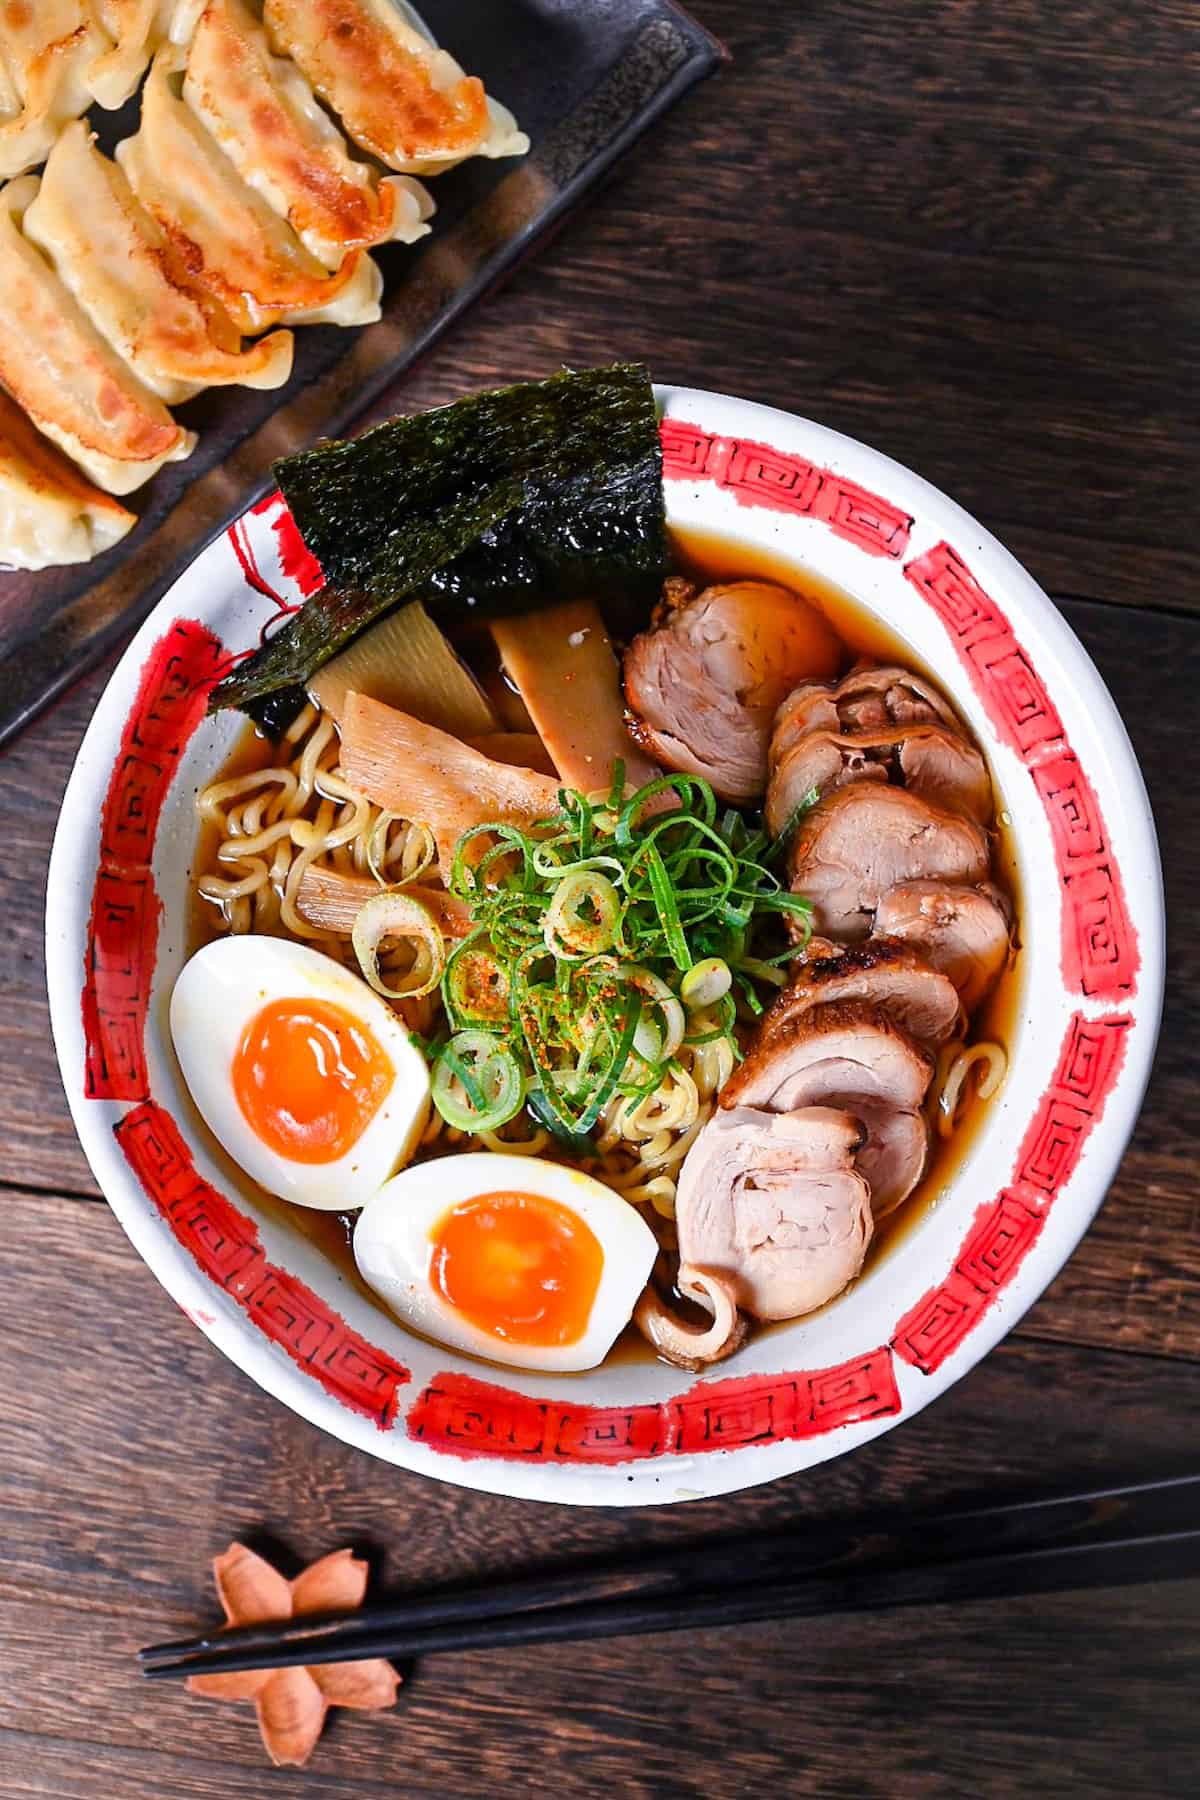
(639, 1433)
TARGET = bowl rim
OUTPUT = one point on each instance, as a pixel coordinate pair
(696, 454)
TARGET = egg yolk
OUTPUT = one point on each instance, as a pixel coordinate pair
(309, 1078)
(518, 1266)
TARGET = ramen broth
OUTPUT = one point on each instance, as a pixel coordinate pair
(705, 558)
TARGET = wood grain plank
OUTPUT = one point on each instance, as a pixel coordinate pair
(890, 1708)
(1023, 62)
(162, 1452)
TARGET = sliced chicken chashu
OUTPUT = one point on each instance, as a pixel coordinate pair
(893, 976)
(873, 695)
(962, 931)
(775, 1206)
(848, 1045)
(930, 760)
(704, 685)
(862, 840)
(850, 1056)
(428, 776)
(877, 724)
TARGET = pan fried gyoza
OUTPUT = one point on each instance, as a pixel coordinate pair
(137, 28)
(227, 237)
(240, 204)
(46, 48)
(72, 384)
(405, 101)
(115, 260)
(48, 513)
(264, 115)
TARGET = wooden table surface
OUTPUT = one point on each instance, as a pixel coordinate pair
(966, 232)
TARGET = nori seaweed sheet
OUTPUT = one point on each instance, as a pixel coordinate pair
(503, 502)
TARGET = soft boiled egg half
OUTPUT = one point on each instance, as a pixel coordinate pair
(507, 1257)
(304, 1075)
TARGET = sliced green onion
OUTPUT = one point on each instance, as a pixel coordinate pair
(607, 1087)
(794, 817)
(450, 1059)
(576, 809)
(643, 1088)
(476, 986)
(668, 910)
(747, 991)
(738, 914)
(545, 863)
(595, 927)
(703, 1032)
(652, 987)
(466, 879)
(567, 928)
(420, 863)
(787, 903)
(762, 971)
(706, 982)
(546, 1114)
(648, 1042)
(477, 1082)
(683, 787)
(395, 914)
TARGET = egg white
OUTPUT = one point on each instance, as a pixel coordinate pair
(216, 996)
(394, 1240)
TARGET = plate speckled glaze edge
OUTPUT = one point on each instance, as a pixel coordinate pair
(642, 1434)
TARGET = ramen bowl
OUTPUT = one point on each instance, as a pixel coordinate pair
(779, 492)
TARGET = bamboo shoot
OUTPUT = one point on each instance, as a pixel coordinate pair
(563, 666)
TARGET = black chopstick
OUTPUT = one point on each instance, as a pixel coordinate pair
(1109, 1563)
(1074, 1540)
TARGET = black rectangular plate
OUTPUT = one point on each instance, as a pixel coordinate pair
(584, 78)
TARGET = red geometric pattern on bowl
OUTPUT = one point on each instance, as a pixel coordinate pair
(123, 929)
(1099, 946)
(466, 1417)
(1005, 1231)
(757, 475)
(226, 1245)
